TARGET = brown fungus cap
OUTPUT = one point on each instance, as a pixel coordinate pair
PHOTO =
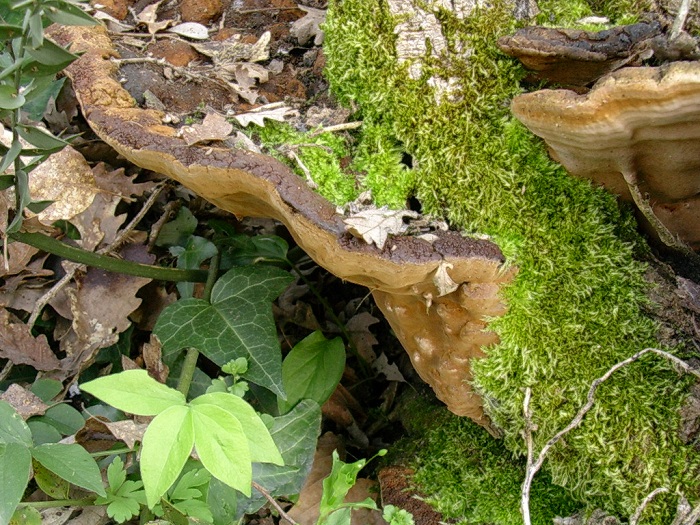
(441, 334)
(637, 132)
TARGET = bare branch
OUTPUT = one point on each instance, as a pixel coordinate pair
(679, 22)
(638, 513)
(274, 503)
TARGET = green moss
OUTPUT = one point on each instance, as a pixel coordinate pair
(467, 475)
(577, 304)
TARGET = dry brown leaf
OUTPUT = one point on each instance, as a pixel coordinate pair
(233, 50)
(19, 346)
(66, 179)
(97, 322)
(149, 17)
(118, 183)
(362, 338)
(127, 431)
(390, 370)
(95, 436)
(442, 280)
(56, 515)
(153, 359)
(193, 30)
(306, 510)
(308, 27)
(273, 111)
(26, 403)
(92, 516)
(213, 127)
(23, 297)
(375, 225)
(98, 224)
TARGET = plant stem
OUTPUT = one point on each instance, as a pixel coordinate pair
(85, 502)
(104, 262)
(105, 453)
(190, 364)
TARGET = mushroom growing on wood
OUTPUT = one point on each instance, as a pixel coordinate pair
(575, 58)
(441, 333)
(637, 132)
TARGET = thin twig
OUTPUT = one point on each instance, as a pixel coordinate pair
(679, 21)
(638, 513)
(114, 245)
(337, 127)
(533, 467)
(274, 503)
(6, 370)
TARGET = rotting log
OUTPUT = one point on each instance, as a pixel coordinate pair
(440, 334)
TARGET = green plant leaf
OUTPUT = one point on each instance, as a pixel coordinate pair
(15, 468)
(46, 389)
(195, 252)
(124, 498)
(262, 447)
(9, 31)
(72, 463)
(53, 485)
(26, 516)
(339, 517)
(177, 231)
(40, 137)
(63, 417)
(12, 153)
(6, 181)
(336, 486)
(36, 29)
(10, 98)
(312, 370)
(43, 432)
(68, 14)
(237, 323)
(166, 446)
(51, 54)
(222, 446)
(135, 392)
(13, 429)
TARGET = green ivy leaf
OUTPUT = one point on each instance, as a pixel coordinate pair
(237, 323)
(13, 429)
(166, 446)
(262, 447)
(135, 392)
(15, 468)
(312, 370)
(222, 446)
(72, 463)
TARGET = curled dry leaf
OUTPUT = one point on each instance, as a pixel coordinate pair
(213, 127)
(19, 345)
(375, 225)
(308, 27)
(149, 17)
(26, 403)
(258, 115)
(382, 366)
(442, 280)
(153, 359)
(192, 30)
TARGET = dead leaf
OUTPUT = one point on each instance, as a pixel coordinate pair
(391, 371)
(128, 431)
(19, 346)
(193, 30)
(375, 225)
(308, 27)
(149, 17)
(95, 436)
(92, 516)
(213, 127)
(273, 111)
(153, 359)
(66, 179)
(233, 50)
(442, 280)
(25, 402)
(56, 515)
(116, 182)
(19, 256)
(98, 224)
(362, 338)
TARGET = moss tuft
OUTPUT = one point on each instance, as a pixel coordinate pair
(577, 304)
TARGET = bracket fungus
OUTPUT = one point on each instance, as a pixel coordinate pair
(637, 132)
(575, 58)
(441, 334)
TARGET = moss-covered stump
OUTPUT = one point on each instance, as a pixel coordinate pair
(577, 304)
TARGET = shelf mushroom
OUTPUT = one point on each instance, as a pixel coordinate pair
(442, 330)
(637, 132)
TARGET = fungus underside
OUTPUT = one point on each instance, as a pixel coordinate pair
(577, 304)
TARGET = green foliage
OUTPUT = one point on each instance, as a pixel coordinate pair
(226, 431)
(467, 474)
(123, 497)
(236, 323)
(29, 65)
(577, 305)
(68, 462)
(396, 516)
(343, 476)
(312, 370)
